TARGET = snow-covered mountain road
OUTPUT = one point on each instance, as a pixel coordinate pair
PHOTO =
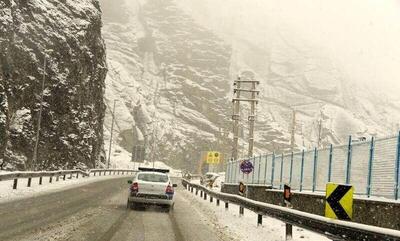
(97, 211)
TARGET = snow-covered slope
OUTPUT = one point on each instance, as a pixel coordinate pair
(172, 66)
(297, 73)
(168, 76)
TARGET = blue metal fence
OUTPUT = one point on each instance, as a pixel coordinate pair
(372, 167)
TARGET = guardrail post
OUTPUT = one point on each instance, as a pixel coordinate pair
(226, 205)
(330, 163)
(64, 177)
(289, 231)
(259, 220)
(191, 189)
(397, 168)
(217, 202)
(315, 169)
(15, 183)
(201, 193)
(77, 175)
(70, 176)
(105, 173)
(259, 169)
(205, 196)
(371, 159)
(57, 177)
(348, 168)
(211, 199)
(197, 191)
(281, 177)
(302, 171)
(51, 179)
(291, 169)
(273, 169)
(99, 173)
(40, 180)
(241, 211)
(29, 182)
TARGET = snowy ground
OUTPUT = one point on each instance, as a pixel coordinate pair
(245, 228)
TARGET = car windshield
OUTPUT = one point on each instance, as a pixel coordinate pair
(152, 177)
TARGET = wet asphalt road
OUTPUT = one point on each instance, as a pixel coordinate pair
(97, 211)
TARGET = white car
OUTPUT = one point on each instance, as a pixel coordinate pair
(151, 186)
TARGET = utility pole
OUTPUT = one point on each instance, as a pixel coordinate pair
(35, 150)
(319, 132)
(111, 135)
(252, 118)
(236, 116)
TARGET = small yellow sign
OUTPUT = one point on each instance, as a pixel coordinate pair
(339, 201)
(213, 157)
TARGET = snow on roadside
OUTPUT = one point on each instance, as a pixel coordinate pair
(120, 158)
(7, 193)
(245, 227)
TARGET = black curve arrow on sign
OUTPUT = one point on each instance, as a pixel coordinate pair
(334, 199)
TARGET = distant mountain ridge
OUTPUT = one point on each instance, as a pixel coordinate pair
(175, 93)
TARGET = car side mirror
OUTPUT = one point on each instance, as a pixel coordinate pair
(129, 181)
(175, 185)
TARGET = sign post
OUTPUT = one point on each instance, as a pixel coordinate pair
(339, 201)
(287, 197)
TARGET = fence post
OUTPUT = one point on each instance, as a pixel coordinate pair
(228, 172)
(226, 205)
(29, 182)
(371, 159)
(397, 168)
(348, 168)
(302, 171)
(330, 163)
(281, 177)
(273, 169)
(254, 170)
(259, 169)
(266, 168)
(315, 168)
(40, 180)
(291, 169)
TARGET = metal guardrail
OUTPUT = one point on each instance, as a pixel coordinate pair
(57, 174)
(335, 229)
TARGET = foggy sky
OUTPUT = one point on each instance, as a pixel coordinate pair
(361, 36)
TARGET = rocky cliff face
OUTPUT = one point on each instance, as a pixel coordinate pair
(169, 76)
(67, 36)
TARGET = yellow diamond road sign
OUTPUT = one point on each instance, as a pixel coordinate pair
(339, 201)
(213, 157)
